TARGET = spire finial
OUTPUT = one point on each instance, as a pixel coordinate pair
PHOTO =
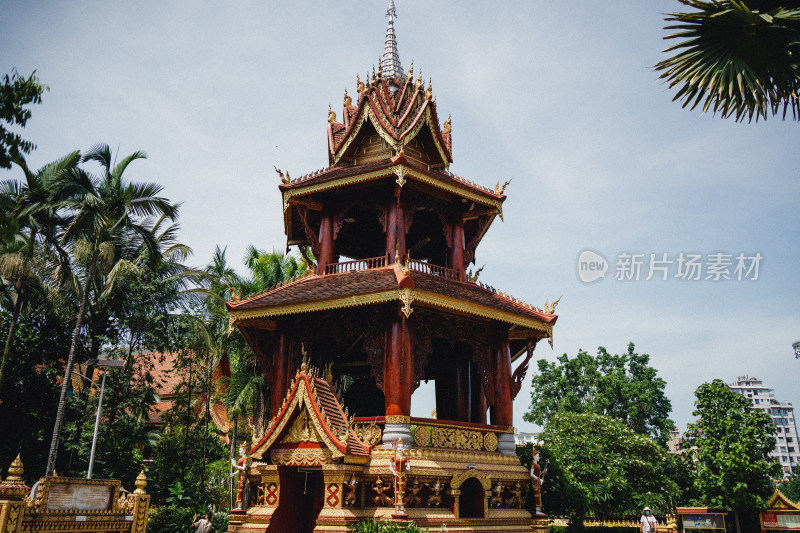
(390, 60)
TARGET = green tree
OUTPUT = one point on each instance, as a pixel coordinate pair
(623, 386)
(106, 211)
(8, 225)
(738, 58)
(37, 221)
(791, 488)
(32, 386)
(246, 393)
(170, 467)
(16, 93)
(619, 470)
(561, 495)
(268, 269)
(731, 442)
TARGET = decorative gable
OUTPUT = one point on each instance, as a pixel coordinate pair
(387, 122)
(780, 501)
(310, 429)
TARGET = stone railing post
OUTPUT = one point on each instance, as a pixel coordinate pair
(141, 502)
(12, 499)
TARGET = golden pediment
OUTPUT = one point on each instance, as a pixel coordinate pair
(301, 457)
(302, 430)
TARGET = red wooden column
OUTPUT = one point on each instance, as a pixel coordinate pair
(398, 365)
(483, 407)
(461, 389)
(398, 377)
(327, 245)
(502, 410)
(395, 229)
(455, 257)
(281, 359)
(478, 404)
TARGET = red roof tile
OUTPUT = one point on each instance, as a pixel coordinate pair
(315, 288)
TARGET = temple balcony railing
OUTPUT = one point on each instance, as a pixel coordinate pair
(435, 270)
(356, 265)
(437, 434)
(372, 263)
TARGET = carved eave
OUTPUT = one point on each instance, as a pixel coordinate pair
(302, 433)
(397, 118)
(303, 193)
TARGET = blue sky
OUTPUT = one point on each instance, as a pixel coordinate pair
(560, 96)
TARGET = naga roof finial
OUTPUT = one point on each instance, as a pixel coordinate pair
(390, 60)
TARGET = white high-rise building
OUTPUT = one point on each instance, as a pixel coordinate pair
(787, 449)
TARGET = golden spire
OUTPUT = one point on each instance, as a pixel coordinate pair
(141, 483)
(15, 471)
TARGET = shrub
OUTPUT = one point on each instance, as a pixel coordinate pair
(375, 526)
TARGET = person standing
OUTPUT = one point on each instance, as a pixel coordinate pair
(203, 525)
(648, 521)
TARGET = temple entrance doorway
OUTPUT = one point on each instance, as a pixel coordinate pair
(470, 503)
(301, 499)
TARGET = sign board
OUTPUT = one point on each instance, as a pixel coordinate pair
(781, 520)
(703, 521)
(75, 494)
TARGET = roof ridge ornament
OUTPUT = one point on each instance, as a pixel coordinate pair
(390, 65)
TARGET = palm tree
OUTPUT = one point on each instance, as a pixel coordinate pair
(107, 212)
(269, 269)
(738, 58)
(35, 216)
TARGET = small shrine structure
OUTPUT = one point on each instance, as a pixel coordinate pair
(388, 304)
(781, 514)
(66, 504)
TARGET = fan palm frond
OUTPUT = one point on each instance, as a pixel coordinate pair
(740, 59)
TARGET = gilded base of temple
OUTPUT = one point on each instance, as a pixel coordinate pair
(446, 490)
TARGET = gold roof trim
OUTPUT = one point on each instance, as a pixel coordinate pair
(779, 498)
(320, 305)
(433, 299)
(300, 402)
(466, 192)
(438, 300)
(362, 117)
(403, 171)
(347, 180)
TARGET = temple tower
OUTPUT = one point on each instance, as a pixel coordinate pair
(388, 304)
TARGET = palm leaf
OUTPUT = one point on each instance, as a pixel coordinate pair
(734, 60)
